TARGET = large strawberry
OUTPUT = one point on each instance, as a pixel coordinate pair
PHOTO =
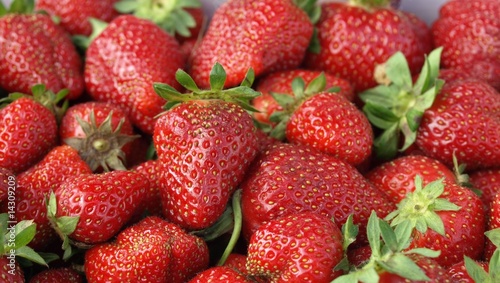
(35, 50)
(124, 61)
(289, 178)
(302, 247)
(205, 144)
(356, 36)
(268, 35)
(468, 32)
(152, 250)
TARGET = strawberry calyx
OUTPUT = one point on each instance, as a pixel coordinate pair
(18, 7)
(476, 271)
(240, 95)
(102, 146)
(371, 4)
(290, 103)
(397, 105)
(419, 207)
(82, 41)
(170, 15)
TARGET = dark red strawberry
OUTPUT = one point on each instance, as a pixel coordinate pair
(289, 178)
(57, 275)
(74, 14)
(124, 61)
(205, 143)
(220, 274)
(263, 40)
(355, 37)
(8, 185)
(101, 133)
(11, 271)
(468, 32)
(35, 50)
(153, 250)
(302, 247)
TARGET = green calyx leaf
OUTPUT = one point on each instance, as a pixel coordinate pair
(241, 95)
(18, 7)
(419, 207)
(82, 41)
(311, 7)
(170, 15)
(397, 105)
(370, 4)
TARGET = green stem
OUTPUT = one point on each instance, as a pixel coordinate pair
(236, 230)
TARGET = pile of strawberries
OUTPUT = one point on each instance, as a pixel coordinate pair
(279, 141)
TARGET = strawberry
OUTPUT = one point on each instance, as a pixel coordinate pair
(220, 274)
(458, 272)
(92, 208)
(74, 14)
(121, 66)
(151, 169)
(488, 182)
(281, 82)
(254, 41)
(35, 184)
(28, 129)
(7, 184)
(302, 247)
(152, 250)
(11, 272)
(205, 143)
(57, 275)
(289, 178)
(323, 120)
(468, 32)
(493, 224)
(356, 36)
(100, 131)
(35, 50)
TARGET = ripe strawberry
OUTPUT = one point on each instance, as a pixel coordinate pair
(253, 41)
(101, 133)
(151, 169)
(354, 37)
(122, 65)
(468, 32)
(7, 184)
(28, 130)
(488, 182)
(10, 272)
(74, 14)
(302, 247)
(493, 223)
(98, 205)
(220, 274)
(35, 50)
(281, 82)
(205, 145)
(289, 178)
(57, 275)
(458, 272)
(152, 250)
(35, 184)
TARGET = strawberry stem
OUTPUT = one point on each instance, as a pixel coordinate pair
(237, 227)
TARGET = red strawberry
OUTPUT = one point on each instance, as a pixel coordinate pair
(493, 224)
(151, 169)
(488, 182)
(153, 250)
(35, 50)
(101, 133)
(288, 178)
(220, 274)
(122, 64)
(205, 145)
(302, 247)
(35, 184)
(10, 272)
(256, 40)
(355, 37)
(468, 31)
(57, 275)
(98, 204)
(28, 130)
(74, 14)
(458, 272)
(7, 185)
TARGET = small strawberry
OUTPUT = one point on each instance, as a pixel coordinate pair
(302, 247)
(152, 250)
(220, 274)
(74, 14)
(57, 275)
(101, 133)
(122, 64)
(262, 40)
(7, 184)
(205, 143)
(35, 50)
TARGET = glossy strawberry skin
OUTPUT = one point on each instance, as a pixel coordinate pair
(28, 131)
(464, 118)
(254, 41)
(289, 178)
(458, 272)
(124, 61)
(302, 247)
(493, 223)
(354, 40)
(104, 202)
(153, 250)
(74, 14)
(43, 52)
(488, 182)
(204, 148)
(151, 170)
(220, 274)
(35, 185)
(57, 275)
(7, 184)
